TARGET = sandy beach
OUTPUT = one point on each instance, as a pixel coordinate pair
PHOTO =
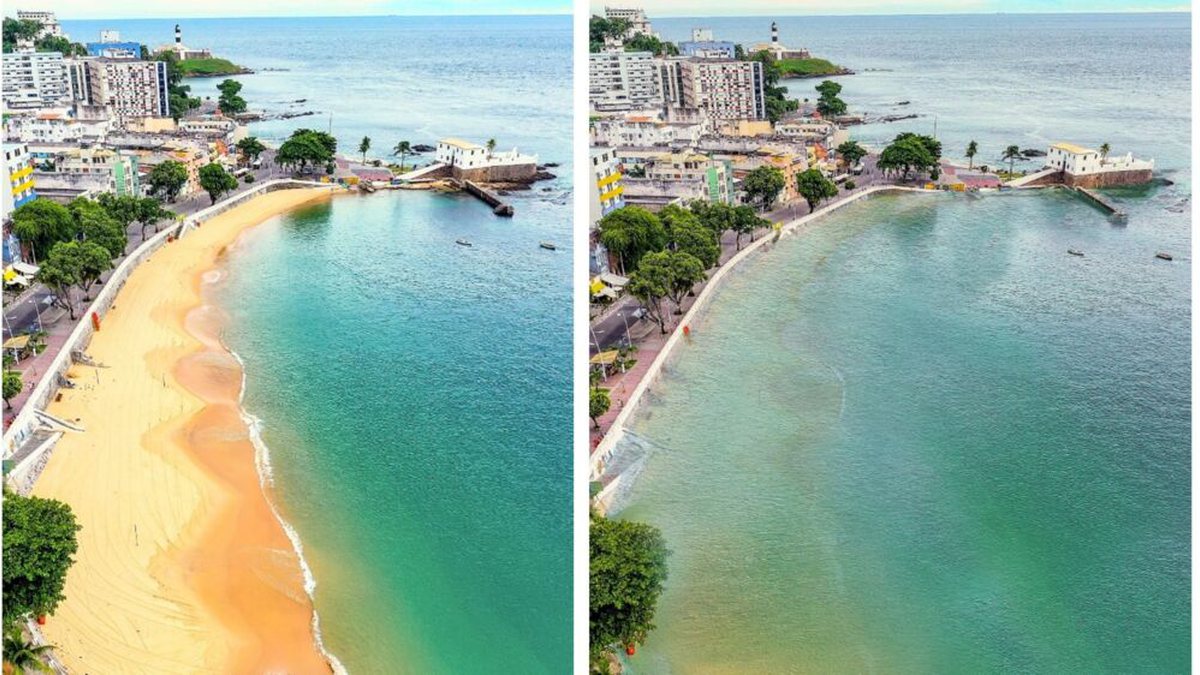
(182, 565)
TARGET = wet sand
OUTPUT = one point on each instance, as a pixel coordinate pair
(182, 565)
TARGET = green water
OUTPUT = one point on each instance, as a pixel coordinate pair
(415, 397)
(923, 438)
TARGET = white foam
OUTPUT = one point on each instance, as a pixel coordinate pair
(266, 479)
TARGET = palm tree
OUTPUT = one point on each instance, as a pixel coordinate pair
(23, 656)
(491, 145)
(972, 149)
(363, 147)
(1104, 150)
(1012, 153)
(402, 148)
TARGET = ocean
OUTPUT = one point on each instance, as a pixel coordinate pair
(921, 437)
(415, 395)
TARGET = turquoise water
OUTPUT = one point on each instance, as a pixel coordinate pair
(921, 437)
(415, 401)
(415, 395)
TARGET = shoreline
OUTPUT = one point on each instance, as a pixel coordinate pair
(184, 562)
(606, 447)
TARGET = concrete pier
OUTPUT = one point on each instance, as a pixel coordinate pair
(499, 207)
(1100, 200)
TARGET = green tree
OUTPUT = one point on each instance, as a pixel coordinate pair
(167, 179)
(363, 146)
(909, 152)
(19, 30)
(61, 272)
(686, 271)
(96, 225)
(762, 186)
(150, 212)
(828, 103)
(651, 283)
(631, 232)
(87, 259)
(39, 542)
(972, 150)
(305, 148)
(778, 104)
(491, 146)
(746, 221)
(601, 29)
(627, 568)
(179, 96)
(814, 187)
(22, 656)
(1012, 153)
(851, 153)
(688, 235)
(12, 386)
(649, 43)
(230, 102)
(716, 216)
(1104, 150)
(402, 149)
(41, 223)
(250, 148)
(599, 402)
(216, 181)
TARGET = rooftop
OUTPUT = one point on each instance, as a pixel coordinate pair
(461, 144)
(1073, 149)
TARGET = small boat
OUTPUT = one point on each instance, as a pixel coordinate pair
(1075, 252)
(1163, 255)
(548, 245)
(462, 242)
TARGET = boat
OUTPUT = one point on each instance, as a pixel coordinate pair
(549, 245)
(462, 242)
(1163, 255)
(1075, 252)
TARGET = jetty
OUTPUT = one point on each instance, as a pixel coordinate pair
(499, 206)
(1100, 200)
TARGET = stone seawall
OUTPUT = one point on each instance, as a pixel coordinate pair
(514, 173)
(1111, 178)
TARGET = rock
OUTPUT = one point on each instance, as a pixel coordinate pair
(1033, 152)
(421, 147)
(544, 175)
(551, 164)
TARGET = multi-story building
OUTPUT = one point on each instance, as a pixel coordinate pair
(623, 81)
(471, 161)
(95, 168)
(723, 89)
(19, 185)
(702, 45)
(34, 80)
(644, 131)
(48, 21)
(55, 126)
(606, 189)
(111, 46)
(127, 88)
(698, 176)
(638, 23)
(1087, 167)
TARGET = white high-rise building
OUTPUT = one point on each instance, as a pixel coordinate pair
(125, 87)
(623, 81)
(48, 21)
(34, 80)
(723, 89)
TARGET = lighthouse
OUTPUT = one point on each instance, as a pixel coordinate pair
(774, 33)
(179, 35)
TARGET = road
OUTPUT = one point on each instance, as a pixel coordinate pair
(25, 312)
(611, 329)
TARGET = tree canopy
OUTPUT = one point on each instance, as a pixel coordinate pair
(762, 185)
(41, 223)
(39, 542)
(631, 232)
(828, 103)
(230, 102)
(12, 386)
(814, 187)
(167, 179)
(306, 148)
(250, 148)
(778, 104)
(216, 181)
(628, 565)
(851, 152)
(601, 29)
(649, 43)
(599, 401)
(686, 233)
(911, 152)
(97, 225)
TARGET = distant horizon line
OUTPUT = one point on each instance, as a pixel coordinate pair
(652, 17)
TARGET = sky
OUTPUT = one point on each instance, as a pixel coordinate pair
(174, 9)
(668, 8)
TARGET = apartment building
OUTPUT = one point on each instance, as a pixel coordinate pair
(34, 80)
(723, 89)
(623, 81)
(606, 190)
(18, 177)
(127, 88)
